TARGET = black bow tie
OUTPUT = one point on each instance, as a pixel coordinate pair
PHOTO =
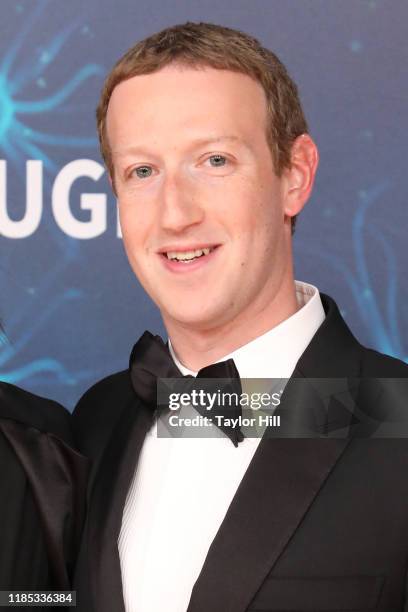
(150, 359)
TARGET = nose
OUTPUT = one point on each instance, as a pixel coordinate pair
(179, 206)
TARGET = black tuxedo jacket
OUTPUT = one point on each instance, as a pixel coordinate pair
(316, 524)
(42, 490)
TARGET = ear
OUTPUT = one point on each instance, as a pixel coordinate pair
(299, 178)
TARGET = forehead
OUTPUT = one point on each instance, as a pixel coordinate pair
(187, 103)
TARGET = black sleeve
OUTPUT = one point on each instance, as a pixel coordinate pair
(97, 411)
(43, 479)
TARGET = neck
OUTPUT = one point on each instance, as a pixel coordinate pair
(196, 348)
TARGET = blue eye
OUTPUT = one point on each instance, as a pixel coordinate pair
(143, 171)
(219, 160)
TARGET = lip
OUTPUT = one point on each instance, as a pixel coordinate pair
(189, 247)
(184, 268)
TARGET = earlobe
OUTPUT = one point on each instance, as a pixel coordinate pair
(301, 174)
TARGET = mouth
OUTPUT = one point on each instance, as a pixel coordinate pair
(178, 259)
(188, 256)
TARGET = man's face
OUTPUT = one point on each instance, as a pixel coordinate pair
(201, 209)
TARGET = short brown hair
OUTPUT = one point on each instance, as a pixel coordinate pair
(207, 44)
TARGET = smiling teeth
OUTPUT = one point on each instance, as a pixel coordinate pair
(187, 255)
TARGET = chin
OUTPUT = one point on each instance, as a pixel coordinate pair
(196, 317)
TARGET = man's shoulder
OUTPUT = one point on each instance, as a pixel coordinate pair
(379, 365)
(99, 409)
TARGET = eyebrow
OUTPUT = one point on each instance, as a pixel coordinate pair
(198, 142)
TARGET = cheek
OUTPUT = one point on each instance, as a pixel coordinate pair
(257, 212)
(127, 214)
(135, 245)
(255, 227)
(134, 224)
(268, 215)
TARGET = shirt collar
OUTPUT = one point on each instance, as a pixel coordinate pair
(275, 353)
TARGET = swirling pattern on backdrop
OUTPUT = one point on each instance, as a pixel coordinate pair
(70, 306)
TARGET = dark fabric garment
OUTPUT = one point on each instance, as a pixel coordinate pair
(42, 488)
(316, 524)
(150, 360)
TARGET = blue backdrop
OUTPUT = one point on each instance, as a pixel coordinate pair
(69, 303)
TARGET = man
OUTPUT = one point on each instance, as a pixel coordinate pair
(208, 153)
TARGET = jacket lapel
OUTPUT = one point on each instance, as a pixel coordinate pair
(115, 472)
(285, 475)
(279, 486)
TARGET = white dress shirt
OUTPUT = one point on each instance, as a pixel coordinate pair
(182, 487)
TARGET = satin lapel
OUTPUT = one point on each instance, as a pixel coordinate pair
(284, 477)
(279, 486)
(57, 476)
(316, 407)
(106, 507)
